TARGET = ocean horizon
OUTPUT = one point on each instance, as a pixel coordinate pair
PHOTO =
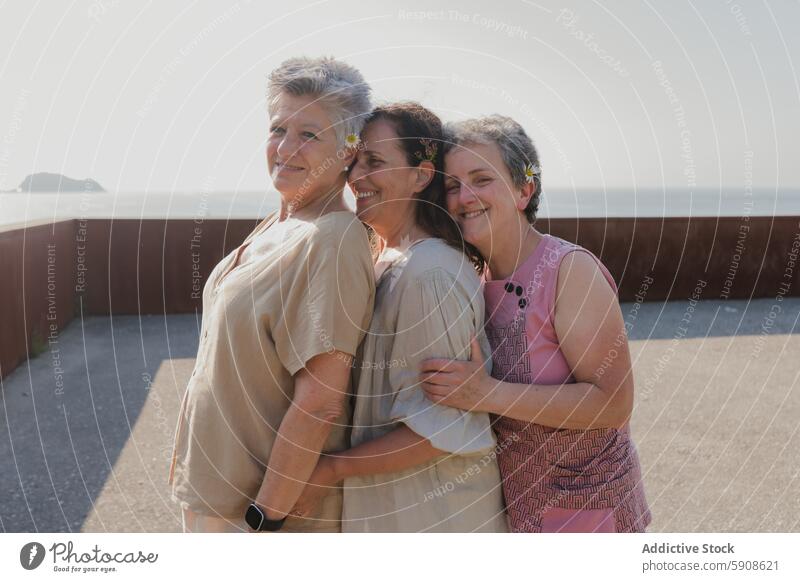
(38, 207)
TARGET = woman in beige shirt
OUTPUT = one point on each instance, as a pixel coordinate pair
(282, 318)
(414, 465)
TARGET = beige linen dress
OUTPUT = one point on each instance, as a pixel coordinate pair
(303, 288)
(428, 304)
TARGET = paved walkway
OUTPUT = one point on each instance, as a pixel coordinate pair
(86, 428)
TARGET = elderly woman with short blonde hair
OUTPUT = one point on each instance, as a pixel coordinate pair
(283, 316)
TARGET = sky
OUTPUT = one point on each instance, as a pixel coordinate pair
(169, 96)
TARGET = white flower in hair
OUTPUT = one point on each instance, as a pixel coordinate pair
(352, 140)
(531, 171)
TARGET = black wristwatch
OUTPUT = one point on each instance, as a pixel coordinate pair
(258, 521)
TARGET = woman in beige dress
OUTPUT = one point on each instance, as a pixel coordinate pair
(413, 465)
(283, 316)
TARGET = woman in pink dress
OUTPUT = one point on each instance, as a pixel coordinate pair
(561, 388)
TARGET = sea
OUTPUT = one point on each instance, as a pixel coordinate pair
(38, 208)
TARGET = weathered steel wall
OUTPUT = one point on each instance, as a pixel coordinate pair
(36, 289)
(159, 266)
(732, 257)
(154, 266)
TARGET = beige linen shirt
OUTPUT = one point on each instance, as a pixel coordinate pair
(304, 288)
(428, 303)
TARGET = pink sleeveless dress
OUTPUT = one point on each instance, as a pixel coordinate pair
(554, 479)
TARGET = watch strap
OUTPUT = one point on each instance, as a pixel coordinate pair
(258, 521)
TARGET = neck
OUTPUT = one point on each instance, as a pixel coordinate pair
(313, 204)
(402, 232)
(505, 254)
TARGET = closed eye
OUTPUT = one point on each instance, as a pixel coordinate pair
(309, 135)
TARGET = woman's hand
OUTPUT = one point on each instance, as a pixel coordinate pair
(461, 384)
(321, 483)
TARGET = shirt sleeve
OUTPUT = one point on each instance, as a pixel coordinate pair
(437, 319)
(327, 304)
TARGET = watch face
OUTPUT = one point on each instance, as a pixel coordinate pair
(254, 517)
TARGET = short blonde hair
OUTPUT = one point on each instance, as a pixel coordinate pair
(338, 87)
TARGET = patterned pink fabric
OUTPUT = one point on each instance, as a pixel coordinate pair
(554, 479)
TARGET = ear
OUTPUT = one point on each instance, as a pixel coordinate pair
(525, 194)
(348, 156)
(424, 175)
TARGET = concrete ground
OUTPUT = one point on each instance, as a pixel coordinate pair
(86, 428)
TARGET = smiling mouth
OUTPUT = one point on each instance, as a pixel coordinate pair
(473, 213)
(280, 166)
(363, 195)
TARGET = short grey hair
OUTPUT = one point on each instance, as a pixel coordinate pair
(338, 87)
(515, 146)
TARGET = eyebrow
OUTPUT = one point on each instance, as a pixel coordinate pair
(282, 121)
(470, 173)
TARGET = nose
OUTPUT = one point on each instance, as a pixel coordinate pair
(466, 195)
(287, 146)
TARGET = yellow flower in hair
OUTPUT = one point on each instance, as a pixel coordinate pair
(531, 172)
(352, 140)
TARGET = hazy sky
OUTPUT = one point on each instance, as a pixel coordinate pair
(169, 96)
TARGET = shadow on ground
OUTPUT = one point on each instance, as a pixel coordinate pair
(716, 420)
(61, 449)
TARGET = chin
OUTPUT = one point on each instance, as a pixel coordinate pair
(288, 185)
(367, 212)
(473, 234)
(367, 216)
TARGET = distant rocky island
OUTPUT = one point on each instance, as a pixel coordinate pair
(47, 182)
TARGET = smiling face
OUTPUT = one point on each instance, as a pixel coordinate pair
(382, 180)
(302, 149)
(481, 195)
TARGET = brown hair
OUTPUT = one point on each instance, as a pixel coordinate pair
(422, 138)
